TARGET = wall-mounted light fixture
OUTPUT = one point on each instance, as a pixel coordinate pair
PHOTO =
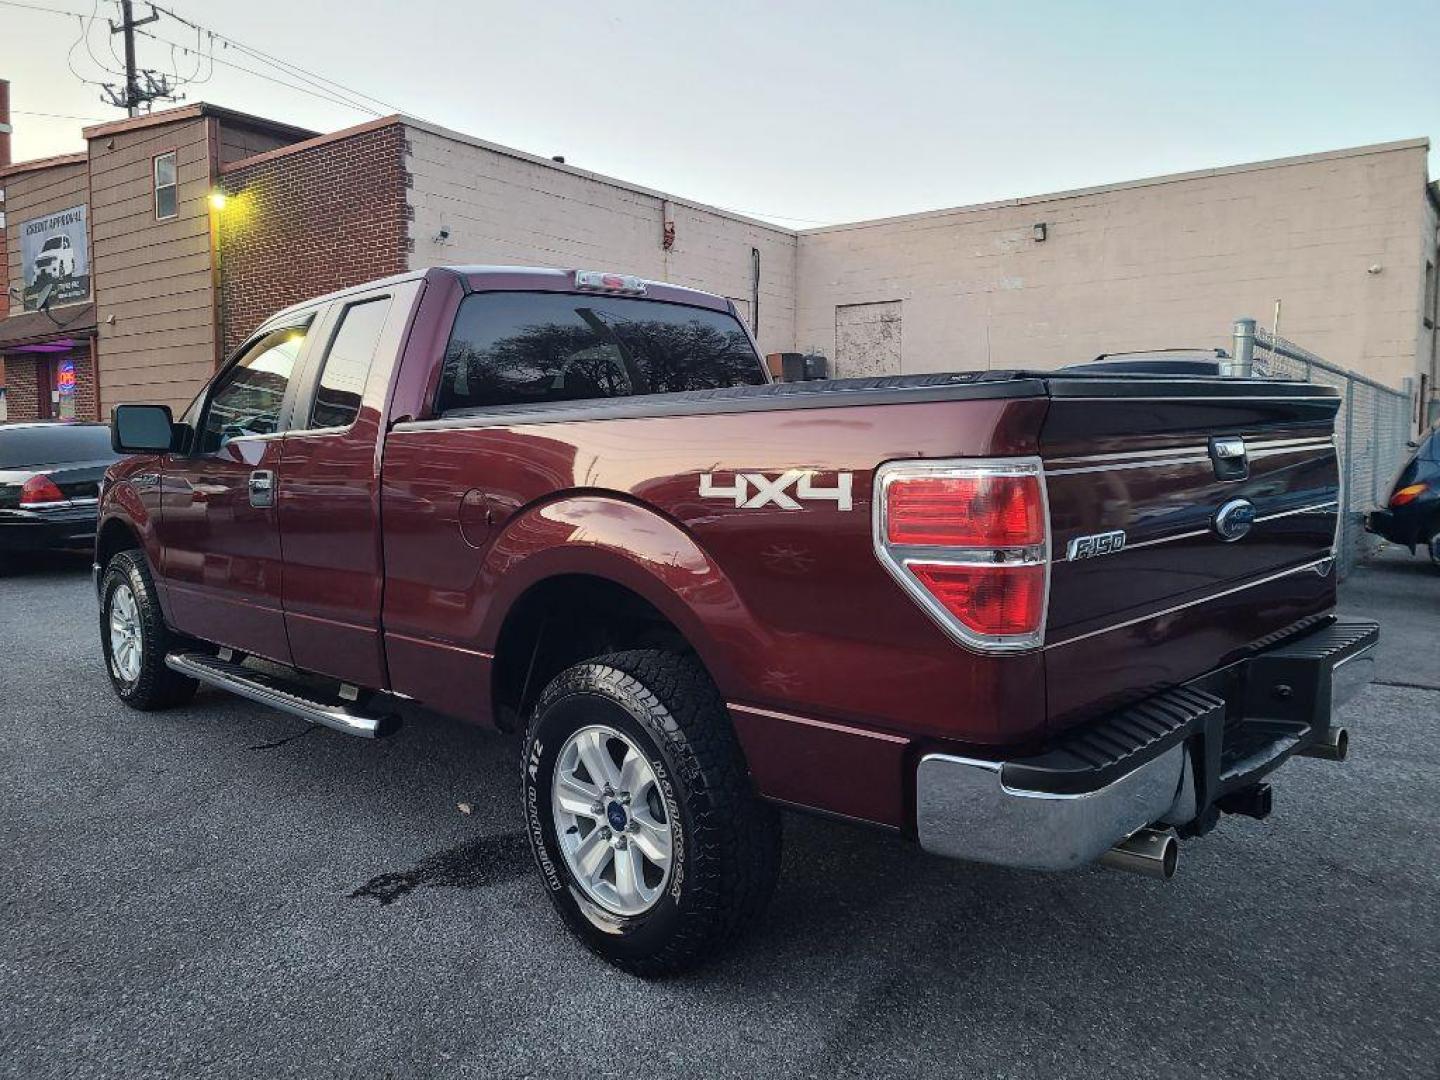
(217, 200)
(1038, 232)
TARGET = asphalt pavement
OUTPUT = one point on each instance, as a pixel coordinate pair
(223, 891)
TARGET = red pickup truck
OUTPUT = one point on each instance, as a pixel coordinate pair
(1035, 619)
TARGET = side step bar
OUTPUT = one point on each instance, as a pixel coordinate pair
(282, 694)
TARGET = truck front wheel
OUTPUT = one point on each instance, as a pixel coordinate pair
(135, 639)
(648, 837)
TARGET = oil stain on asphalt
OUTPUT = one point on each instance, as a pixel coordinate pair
(482, 862)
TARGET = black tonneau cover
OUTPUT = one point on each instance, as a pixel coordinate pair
(884, 390)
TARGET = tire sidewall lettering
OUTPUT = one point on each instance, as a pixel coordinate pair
(538, 771)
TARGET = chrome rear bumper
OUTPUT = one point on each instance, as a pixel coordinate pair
(1180, 758)
(964, 809)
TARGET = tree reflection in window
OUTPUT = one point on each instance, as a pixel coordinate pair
(530, 348)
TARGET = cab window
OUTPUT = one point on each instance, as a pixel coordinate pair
(347, 364)
(248, 398)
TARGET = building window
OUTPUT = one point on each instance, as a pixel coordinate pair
(167, 187)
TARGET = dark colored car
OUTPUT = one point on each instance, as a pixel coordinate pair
(1412, 516)
(50, 474)
(1036, 619)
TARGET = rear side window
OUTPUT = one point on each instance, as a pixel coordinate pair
(515, 348)
(54, 444)
(347, 364)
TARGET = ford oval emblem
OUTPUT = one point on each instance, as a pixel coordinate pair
(1234, 519)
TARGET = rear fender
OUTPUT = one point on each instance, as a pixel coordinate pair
(632, 546)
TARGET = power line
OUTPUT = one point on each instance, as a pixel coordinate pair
(55, 115)
(289, 67)
(43, 10)
(334, 99)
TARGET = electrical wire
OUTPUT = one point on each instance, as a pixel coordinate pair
(289, 67)
(56, 115)
(334, 99)
(44, 10)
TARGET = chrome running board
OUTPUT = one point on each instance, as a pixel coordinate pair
(282, 694)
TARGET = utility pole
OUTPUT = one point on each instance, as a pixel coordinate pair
(134, 95)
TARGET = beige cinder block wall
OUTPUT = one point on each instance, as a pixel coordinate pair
(1148, 264)
(507, 207)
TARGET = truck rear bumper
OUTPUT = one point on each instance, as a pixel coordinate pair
(1171, 760)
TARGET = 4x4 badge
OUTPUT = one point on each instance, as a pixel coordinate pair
(776, 491)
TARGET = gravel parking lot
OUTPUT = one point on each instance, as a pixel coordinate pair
(223, 891)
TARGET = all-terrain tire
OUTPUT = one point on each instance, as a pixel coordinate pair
(149, 684)
(726, 841)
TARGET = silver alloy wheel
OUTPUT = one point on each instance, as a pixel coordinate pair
(1435, 549)
(611, 820)
(125, 634)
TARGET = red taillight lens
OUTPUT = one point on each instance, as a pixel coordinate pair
(39, 490)
(992, 600)
(1408, 494)
(968, 539)
(978, 511)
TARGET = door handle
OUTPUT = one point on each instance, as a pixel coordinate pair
(262, 487)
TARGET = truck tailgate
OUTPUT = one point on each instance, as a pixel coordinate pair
(1156, 459)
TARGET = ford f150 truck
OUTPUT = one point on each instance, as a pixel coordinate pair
(1030, 619)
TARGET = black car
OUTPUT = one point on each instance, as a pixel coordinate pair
(50, 475)
(1412, 517)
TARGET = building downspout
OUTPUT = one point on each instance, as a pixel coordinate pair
(755, 292)
(5, 128)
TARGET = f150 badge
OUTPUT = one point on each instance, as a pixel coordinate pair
(1087, 547)
(751, 491)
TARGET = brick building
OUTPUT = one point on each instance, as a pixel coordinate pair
(202, 221)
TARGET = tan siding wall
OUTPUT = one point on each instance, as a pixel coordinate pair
(503, 208)
(35, 194)
(238, 142)
(1151, 265)
(153, 277)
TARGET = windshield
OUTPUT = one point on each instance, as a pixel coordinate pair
(54, 444)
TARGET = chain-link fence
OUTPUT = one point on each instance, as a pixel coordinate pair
(1371, 429)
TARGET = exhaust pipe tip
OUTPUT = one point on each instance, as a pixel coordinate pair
(1152, 853)
(1332, 745)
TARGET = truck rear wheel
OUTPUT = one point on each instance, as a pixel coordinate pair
(135, 639)
(650, 841)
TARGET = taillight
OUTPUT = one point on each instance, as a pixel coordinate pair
(1408, 494)
(969, 540)
(39, 490)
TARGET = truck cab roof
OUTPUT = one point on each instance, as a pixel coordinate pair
(478, 278)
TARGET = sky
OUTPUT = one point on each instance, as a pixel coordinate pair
(801, 113)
